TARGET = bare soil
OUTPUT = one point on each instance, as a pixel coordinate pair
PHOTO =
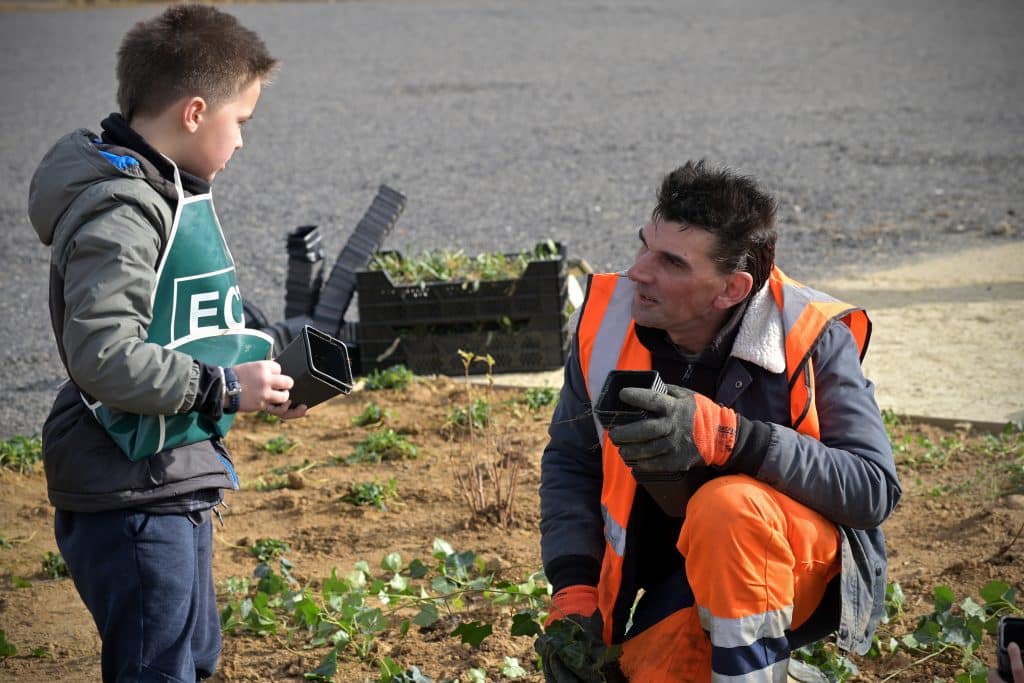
(956, 525)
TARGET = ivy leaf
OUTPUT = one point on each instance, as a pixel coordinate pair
(389, 668)
(442, 585)
(973, 609)
(442, 548)
(473, 632)
(417, 569)
(512, 668)
(995, 591)
(392, 562)
(427, 615)
(325, 672)
(524, 624)
(944, 598)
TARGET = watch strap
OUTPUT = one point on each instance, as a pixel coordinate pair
(233, 388)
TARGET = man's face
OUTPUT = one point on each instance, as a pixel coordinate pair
(678, 287)
(220, 133)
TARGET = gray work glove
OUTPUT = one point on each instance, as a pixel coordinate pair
(573, 650)
(683, 429)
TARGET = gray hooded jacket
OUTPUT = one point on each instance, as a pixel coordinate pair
(106, 212)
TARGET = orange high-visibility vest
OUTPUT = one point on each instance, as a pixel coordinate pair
(608, 341)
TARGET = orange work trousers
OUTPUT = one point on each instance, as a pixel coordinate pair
(757, 562)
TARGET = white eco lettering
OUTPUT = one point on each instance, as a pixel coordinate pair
(230, 321)
(197, 311)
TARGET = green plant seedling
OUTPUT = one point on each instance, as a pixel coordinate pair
(476, 415)
(279, 445)
(21, 453)
(372, 415)
(54, 566)
(6, 649)
(371, 493)
(536, 398)
(824, 656)
(394, 377)
(269, 484)
(446, 265)
(384, 444)
(266, 549)
(267, 418)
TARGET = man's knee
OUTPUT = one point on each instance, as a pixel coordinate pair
(723, 507)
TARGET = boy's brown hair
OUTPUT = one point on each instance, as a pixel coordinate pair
(188, 50)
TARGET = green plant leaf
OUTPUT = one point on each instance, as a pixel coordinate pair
(427, 615)
(995, 591)
(328, 667)
(6, 649)
(392, 562)
(442, 548)
(525, 624)
(944, 598)
(973, 609)
(472, 632)
(389, 668)
(512, 668)
(417, 570)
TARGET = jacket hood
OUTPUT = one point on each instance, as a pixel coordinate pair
(76, 162)
(71, 165)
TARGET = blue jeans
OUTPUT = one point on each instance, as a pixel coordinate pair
(148, 582)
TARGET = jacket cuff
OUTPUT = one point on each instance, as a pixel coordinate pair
(210, 391)
(572, 570)
(752, 440)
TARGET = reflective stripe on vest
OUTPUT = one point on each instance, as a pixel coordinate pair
(606, 331)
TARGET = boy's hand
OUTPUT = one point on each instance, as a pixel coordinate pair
(265, 388)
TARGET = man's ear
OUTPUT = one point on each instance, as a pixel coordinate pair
(192, 113)
(737, 287)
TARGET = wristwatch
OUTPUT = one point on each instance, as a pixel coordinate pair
(233, 390)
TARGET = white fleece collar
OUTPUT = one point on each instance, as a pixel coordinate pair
(761, 339)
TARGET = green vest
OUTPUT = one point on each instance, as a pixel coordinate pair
(197, 310)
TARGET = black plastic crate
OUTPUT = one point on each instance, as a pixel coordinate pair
(336, 294)
(540, 343)
(542, 290)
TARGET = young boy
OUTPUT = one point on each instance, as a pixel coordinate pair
(148, 321)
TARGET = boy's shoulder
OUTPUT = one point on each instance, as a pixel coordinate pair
(81, 177)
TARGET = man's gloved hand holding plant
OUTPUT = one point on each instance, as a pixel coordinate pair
(572, 646)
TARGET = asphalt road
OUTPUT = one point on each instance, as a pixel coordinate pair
(885, 129)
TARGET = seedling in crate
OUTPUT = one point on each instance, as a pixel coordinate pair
(444, 265)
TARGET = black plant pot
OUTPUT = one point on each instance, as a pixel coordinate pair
(610, 410)
(319, 365)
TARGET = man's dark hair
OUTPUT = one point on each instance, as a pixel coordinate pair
(187, 50)
(731, 207)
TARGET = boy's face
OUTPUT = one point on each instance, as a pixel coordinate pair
(219, 133)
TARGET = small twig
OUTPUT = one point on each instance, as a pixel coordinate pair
(1006, 548)
(913, 664)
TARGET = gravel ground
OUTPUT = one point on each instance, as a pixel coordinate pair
(886, 130)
